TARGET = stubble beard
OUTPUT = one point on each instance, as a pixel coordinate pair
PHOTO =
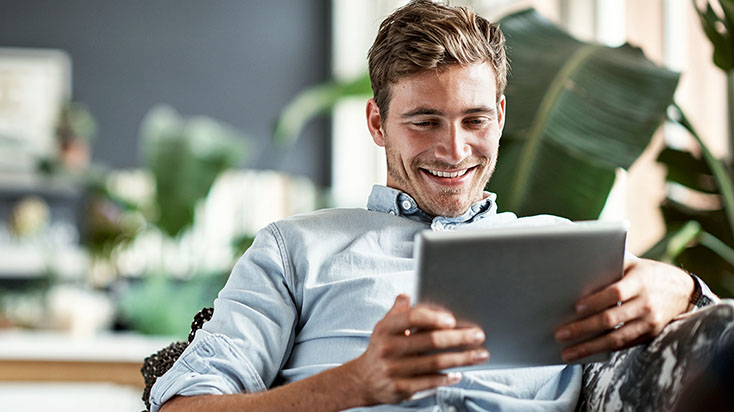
(447, 201)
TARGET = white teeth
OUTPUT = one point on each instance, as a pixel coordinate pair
(447, 174)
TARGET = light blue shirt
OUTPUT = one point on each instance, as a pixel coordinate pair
(307, 294)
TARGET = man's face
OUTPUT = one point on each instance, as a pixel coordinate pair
(441, 136)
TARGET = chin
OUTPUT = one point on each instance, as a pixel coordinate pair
(449, 210)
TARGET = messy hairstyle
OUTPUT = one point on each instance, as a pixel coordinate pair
(424, 35)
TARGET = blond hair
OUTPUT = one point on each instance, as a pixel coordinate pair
(424, 35)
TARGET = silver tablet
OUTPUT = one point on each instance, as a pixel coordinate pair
(519, 284)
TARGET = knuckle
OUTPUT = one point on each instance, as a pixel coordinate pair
(434, 339)
(657, 320)
(647, 307)
(384, 350)
(616, 340)
(616, 292)
(402, 389)
(413, 316)
(435, 363)
(609, 319)
(390, 370)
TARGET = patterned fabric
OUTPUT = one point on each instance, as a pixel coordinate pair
(652, 377)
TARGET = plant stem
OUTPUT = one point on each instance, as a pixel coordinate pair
(716, 245)
(680, 240)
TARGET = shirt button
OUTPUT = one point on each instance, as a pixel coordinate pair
(451, 409)
(406, 204)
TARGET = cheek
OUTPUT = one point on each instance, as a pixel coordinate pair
(488, 147)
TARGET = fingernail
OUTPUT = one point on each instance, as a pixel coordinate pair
(446, 320)
(454, 377)
(478, 336)
(581, 308)
(480, 355)
(563, 334)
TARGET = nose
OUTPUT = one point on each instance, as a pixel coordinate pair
(454, 146)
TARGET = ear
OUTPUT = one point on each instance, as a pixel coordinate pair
(501, 112)
(374, 123)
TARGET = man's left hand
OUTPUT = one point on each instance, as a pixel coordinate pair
(651, 295)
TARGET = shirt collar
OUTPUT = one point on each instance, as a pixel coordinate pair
(395, 202)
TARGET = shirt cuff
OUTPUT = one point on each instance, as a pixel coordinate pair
(209, 366)
(706, 297)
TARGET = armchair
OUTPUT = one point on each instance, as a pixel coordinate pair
(649, 377)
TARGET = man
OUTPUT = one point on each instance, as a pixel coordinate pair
(315, 315)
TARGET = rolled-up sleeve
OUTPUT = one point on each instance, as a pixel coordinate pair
(250, 335)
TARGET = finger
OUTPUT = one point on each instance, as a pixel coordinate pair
(620, 291)
(430, 364)
(401, 304)
(602, 322)
(406, 387)
(628, 335)
(436, 340)
(419, 317)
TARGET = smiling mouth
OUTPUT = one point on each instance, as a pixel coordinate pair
(448, 174)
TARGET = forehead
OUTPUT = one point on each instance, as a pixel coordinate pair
(453, 87)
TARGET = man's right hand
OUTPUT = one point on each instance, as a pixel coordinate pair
(395, 366)
(408, 350)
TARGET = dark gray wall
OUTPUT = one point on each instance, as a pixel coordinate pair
(235, 60)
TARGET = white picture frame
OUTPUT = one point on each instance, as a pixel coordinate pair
(34, 83)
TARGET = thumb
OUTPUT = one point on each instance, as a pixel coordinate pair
(402, 303)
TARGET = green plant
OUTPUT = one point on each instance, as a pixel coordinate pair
(576, 112)
(316, 100)
(185, 156)
(700, 238)
(159, 305)
(719, 28)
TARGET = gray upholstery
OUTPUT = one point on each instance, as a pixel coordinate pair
(652, 377)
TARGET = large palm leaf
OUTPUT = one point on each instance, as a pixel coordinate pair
(575, 112)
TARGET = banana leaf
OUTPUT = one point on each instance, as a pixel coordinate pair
(575, 112)
(687, 170)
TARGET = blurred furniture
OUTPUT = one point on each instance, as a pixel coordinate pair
(55, 241)
(33, 356)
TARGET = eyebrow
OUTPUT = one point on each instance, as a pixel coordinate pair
(424, 111)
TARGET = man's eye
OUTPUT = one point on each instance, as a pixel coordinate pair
(477, 122)
(423, 124)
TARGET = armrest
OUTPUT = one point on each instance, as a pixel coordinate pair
(157, 364)
(651, 377)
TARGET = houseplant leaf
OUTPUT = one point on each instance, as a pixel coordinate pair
(718, 169)
(185, 156)
(576, 111)
(722, 41)
(316, 100)
(687, 170)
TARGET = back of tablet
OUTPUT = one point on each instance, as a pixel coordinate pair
(519, 284)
